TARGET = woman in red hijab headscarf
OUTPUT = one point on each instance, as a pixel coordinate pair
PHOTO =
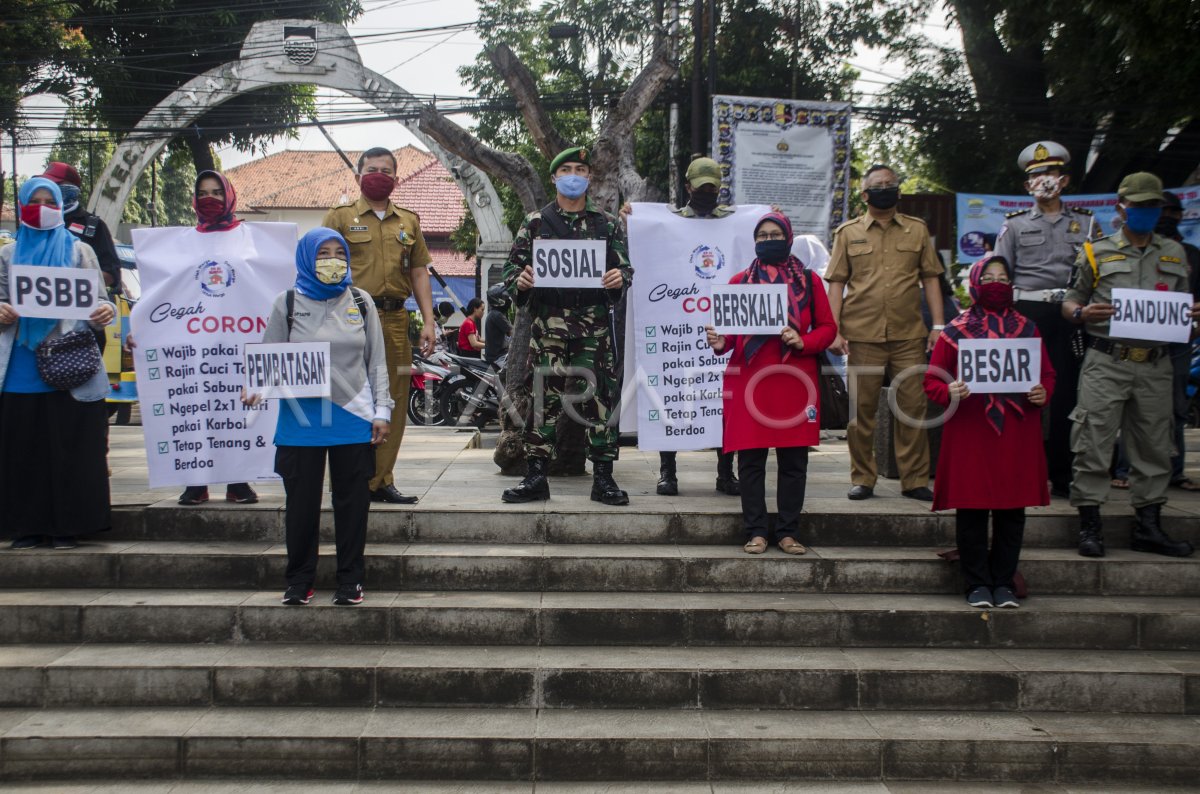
(992, 458)
(771, 397)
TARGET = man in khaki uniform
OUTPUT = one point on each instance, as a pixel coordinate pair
(881, 260)
(388, 260)
(1125, 384)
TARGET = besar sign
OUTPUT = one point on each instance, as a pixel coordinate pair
(288, 369)
(750, 309)
(572, 264)
(60, 293)
(1151, 315)
(1000, 366)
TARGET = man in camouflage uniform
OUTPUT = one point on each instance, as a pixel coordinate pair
(1125, 384)
(572, 332)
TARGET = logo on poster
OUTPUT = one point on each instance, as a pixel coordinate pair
(215, 278)
(707, 261)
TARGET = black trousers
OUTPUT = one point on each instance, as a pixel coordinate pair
(793, 475)
(1056, 334)
(351, 467)
(979, 566)
(724, 461)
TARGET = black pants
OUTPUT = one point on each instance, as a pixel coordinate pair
(979, 566)
(1056, 334)
(351, 467)
(724, 461)
(793, 474)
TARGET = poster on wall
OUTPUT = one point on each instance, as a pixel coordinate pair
(789, 153)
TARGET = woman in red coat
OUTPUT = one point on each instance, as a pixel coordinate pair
(771, 397)
(1000, 431)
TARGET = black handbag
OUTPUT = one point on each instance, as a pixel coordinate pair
(835, 397)
(70, 360)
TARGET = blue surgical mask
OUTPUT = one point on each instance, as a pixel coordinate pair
(1142, 220)
(70, 195)
(572, 186)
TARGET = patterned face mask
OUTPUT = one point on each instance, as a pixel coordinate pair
(331, 271)
(1045, 187)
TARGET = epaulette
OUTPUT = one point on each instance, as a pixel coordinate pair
(1081, 210)
(916, 218)
(1016, 213)
(845, 224)
(413, 213)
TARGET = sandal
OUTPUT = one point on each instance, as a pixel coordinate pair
(1120, 483)
(1186, 484)
(755, 546)
(791, 546)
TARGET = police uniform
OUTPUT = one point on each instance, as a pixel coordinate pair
(1125, 385)
(570, 329)
(1041, 250)
(382, 255)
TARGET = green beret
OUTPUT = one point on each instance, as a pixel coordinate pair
(577, 154)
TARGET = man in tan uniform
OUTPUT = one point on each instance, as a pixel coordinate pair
(881, 260)
(388, 260)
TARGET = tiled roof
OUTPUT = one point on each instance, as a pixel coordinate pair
(451, 263)
(432, 194)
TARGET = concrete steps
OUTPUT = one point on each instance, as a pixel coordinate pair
(590, 567)
(562, 744)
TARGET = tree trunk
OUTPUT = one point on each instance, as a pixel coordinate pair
(202, 155)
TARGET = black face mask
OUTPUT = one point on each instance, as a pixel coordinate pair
(703, 201)
(883, 198)
(772, 252)
(1167, 227)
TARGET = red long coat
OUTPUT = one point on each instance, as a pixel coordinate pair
(979, 468)
(777, 408)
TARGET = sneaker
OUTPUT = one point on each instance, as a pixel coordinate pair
(297, 595)
(1005, 598)
(240, 493)
(348, 594)
(64, 542)
(980, 597)
(194, 495)
(28, 542)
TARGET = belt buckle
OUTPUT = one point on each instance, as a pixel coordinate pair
(1138, 355)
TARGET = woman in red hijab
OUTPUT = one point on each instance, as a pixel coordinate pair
(771, 397)
(1002, 432)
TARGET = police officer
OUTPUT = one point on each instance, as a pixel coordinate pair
(84, 225)
(1125, 384)
(571, 329)
(1041, 244)
(389, 261)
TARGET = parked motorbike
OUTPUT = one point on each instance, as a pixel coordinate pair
(424, 390)
(471, 395)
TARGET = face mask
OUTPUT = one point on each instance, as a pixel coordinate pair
(1045, 187)
(572, 186)
(1142, 220)
(995, 296)
(209, 208)
(772, 252)
(703, 201)
(70, 195)
(1167, 227)
(377, 186)
(883, 198)
(41, 216)
(331, 271)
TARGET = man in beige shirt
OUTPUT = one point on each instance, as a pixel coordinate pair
(880, 261)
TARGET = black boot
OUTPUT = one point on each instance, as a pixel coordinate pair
(604, 487)
(1091, 539)
(668, 483)
(534, 487)
(1148, 534)
(727, 481)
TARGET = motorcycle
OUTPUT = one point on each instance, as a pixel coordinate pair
(424, 390)
(471, 396)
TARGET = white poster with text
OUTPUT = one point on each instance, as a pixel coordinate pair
(1000, 366)
(749, 308)
(1151, 315)
(566, 264)
(204, 296)
(60, 293)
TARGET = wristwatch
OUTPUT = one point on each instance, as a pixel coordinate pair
(937, 328)
(1077, 315)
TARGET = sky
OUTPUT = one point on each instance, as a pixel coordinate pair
(425, 65)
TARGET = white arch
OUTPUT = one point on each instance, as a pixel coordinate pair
(316, 53)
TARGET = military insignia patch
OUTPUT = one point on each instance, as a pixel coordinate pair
(1114, 258)
(1041, 152)
(1172, 259)
(1074, 228)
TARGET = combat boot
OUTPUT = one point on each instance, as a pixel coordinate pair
(1148, 534)
(534, 487)
(668, 483)
(1091, 538)
(727, 481)
(604, 487)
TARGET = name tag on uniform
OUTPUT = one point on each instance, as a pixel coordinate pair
(1151, 315)
(359, 229)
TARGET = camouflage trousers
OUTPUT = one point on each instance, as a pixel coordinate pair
(576, 375)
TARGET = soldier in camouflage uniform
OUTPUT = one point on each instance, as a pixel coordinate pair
(572, 332)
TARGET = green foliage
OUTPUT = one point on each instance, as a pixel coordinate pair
(464, 238)
(36, 44)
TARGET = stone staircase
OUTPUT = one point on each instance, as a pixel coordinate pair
(596, 645)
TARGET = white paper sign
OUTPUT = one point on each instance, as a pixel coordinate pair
(1000, 366)
(569, 263)
(749, 308)
(1151, 315)
(61, 293)
(288, 369)
(204, 296)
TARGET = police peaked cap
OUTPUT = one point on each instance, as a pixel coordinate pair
(1042, 156)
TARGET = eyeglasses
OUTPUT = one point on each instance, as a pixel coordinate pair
(764, 236)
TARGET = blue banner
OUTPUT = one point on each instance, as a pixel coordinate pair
(463, 288)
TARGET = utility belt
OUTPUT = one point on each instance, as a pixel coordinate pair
(1120, 352)
(571, 298)
(1040, 295)
(389, 304)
